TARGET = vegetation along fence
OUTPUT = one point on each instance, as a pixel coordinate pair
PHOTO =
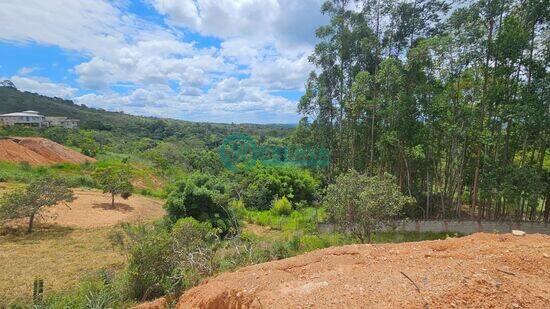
(463, 227)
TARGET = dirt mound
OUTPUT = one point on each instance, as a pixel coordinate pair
(478, 271)
(38, 151)
(13, 152)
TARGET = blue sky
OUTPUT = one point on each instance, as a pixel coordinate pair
(200, 60)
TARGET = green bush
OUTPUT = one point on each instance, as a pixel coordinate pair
(97, 292)
(151, 266)
(263, 183)
(204, 198)
(282, 206)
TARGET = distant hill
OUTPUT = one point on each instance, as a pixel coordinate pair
(13, 100)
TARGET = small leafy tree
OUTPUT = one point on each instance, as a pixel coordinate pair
(115, 180)
(32, 200)
(361, 205)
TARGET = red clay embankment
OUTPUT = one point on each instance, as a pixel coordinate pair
(38, 151)
(477, 271)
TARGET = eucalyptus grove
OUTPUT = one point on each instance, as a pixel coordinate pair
(451, 98)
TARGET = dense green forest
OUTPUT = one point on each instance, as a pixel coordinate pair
(450, 97)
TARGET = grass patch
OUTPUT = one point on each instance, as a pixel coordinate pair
(304, 219)
(62, 257)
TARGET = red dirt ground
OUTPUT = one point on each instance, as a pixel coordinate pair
(92, 208)
(12, 152)
(477, 271)
(38, 151)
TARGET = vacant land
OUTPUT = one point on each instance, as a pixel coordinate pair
(93, 209)
(71, 244)
(59, 255)
(478, 271)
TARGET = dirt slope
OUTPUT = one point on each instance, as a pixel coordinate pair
(38, 151)
(13, 152)
(53, 151)
(478, 271)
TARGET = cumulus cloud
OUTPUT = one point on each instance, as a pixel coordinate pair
(94, 26)
(265, 44)
(230, 100)
(288, 23)
(43, 86)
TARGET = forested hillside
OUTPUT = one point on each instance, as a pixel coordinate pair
(453, 99)
(129, 126)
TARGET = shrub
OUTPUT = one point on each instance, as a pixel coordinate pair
(264, 183)
(194, 244)
(164, 259)
(282, 206)
(151, 263)
(202, 197)
(362, 205)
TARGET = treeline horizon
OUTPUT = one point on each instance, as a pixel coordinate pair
(451, 98)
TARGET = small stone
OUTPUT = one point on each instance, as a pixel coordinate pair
(514, 305)
(546, 255)
(518, 233)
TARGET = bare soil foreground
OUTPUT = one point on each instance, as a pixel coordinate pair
(478, 271)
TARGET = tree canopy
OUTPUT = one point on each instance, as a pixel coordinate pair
(454, 103)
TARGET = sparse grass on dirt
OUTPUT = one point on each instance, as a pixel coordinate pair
(61, 256)
(70, 247)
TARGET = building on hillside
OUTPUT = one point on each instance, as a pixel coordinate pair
(61, 121)
(33, 118)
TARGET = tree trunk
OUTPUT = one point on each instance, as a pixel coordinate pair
(113, 200)
(31, 222)
(547, 209)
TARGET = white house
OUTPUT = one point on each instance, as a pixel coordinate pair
(27, 117)
(33, 118)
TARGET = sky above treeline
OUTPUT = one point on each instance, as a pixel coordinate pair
(199, 60)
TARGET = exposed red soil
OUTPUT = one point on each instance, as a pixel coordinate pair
(92, 208)
(38, 151)
(13, 152)
(477, 271)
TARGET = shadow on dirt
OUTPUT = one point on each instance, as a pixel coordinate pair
(120, 207)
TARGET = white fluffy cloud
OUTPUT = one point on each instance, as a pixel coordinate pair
(286, 22)
(92, 26)
(265, 44)
(230, 100)
(43, 86)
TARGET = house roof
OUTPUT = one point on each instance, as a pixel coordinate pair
(22, 114)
